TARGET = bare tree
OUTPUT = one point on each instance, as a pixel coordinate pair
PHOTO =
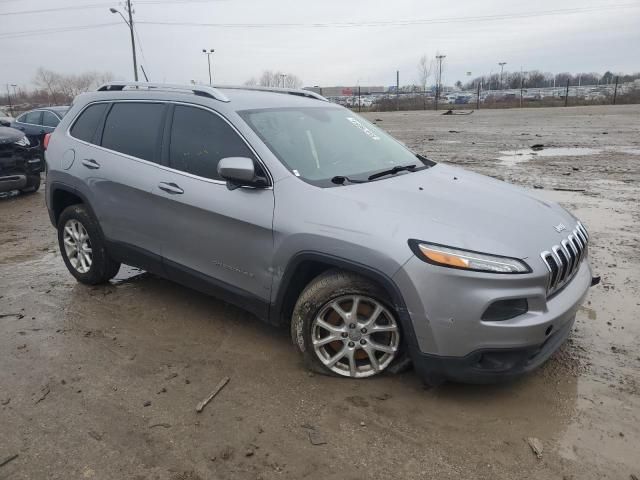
(425, 67)
(63, 88)
(269, 78)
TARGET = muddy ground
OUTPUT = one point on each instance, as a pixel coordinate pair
(103, 382)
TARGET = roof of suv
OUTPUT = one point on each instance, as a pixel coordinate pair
(236, 97)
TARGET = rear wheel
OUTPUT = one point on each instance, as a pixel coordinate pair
(83, 247)
(343, 326)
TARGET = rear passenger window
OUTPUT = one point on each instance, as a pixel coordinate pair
(200, 139)
(134, 129)
(49, 119)
(33, 118)
(88, 122)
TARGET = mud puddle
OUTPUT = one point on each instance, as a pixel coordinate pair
(513, 157)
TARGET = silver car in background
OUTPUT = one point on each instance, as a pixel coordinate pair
(310, 217)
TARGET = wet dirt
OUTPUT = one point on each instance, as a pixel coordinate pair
(103, 382)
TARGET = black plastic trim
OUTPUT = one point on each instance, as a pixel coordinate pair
(276, 310)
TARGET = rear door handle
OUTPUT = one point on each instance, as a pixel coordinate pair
(90, 163)
(170, 188)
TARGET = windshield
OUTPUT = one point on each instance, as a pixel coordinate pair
(320, 143)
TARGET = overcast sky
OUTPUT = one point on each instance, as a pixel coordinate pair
(602, 35)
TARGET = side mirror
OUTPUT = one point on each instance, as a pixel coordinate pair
(240, 172)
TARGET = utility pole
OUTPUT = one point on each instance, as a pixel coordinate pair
(566, 94)
(9, 99)
(615, 91)
(478, 97)
(502, 64)
(208, 54)
(397, 89)
(439, 84)
(359, 102)
(133, 40)
(284, 79)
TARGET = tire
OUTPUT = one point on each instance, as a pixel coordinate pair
(78, 227)
(33, 184)
(323, 327)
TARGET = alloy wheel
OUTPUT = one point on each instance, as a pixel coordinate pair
(77, 246)
(355, 336)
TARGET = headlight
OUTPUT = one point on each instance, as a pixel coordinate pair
(23, 142)
(466, 259)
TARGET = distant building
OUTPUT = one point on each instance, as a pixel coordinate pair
(346, 91)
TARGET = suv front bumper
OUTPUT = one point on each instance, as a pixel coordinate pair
(446, 305)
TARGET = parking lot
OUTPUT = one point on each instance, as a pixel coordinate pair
(103, 382)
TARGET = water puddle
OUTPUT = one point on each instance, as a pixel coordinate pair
(513, 157)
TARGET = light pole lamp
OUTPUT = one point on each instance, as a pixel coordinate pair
(133, 41)
(208, 53)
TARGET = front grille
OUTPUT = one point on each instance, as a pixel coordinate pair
(563, 260)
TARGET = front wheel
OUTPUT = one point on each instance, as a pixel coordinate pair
(343, 326)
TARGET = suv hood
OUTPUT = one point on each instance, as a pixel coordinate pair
(455, 207)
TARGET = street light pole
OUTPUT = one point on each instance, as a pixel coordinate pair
(208, 54)
(439, 82)
(133, 41)
(502, 64)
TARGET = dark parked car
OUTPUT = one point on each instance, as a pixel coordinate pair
(37, 123)
(20, 162)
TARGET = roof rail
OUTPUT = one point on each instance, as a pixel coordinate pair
(203, 90)
(290, 91)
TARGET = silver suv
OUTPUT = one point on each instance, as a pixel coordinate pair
(308, 216)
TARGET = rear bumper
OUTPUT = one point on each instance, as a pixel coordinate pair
(489, 365)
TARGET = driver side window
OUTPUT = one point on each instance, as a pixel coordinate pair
(200, 139)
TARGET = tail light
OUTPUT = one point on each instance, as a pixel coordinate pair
(46, 140)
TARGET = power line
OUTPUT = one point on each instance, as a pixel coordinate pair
(44, 31)
(391, 23)
(103, 5)
(386, 23)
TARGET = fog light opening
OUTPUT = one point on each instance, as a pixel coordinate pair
(548, 330)
(505, 309)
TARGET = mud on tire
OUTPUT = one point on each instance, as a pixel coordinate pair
(103, 267)
(338, 287)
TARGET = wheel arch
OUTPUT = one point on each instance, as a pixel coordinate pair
(305, 266)
(63, 196)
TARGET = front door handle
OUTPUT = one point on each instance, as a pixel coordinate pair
(90, 163)
(170, 188)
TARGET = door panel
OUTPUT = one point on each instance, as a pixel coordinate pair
(120, 184)
(221, 233)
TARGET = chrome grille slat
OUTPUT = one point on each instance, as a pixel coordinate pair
(564, 260)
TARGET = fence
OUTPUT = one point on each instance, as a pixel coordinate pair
(571, 95)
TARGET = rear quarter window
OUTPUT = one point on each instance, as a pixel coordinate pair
(87, 123)
(134, 129)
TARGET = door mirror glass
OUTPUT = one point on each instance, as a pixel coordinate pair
(240, 171)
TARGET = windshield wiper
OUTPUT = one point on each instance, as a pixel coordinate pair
(392, 171)
(340, 179)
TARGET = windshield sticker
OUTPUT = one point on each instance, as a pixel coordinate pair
(367, 132)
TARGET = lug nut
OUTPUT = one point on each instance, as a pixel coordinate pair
(363, 342)
(351, 344)
(345, 334)
(352, 325)
(364, 330)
